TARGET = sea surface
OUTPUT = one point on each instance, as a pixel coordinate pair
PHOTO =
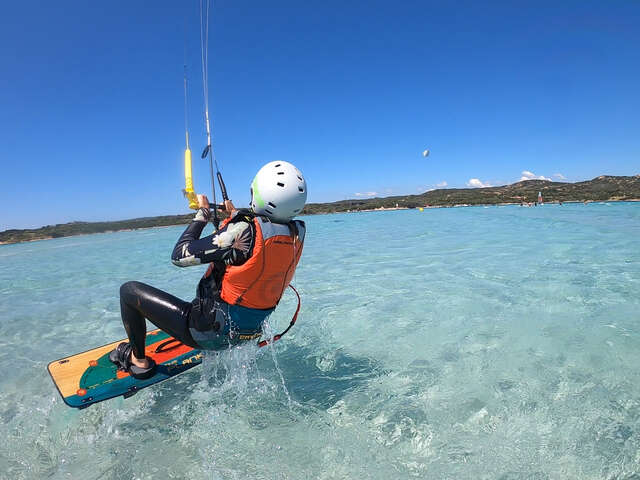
(458, 343)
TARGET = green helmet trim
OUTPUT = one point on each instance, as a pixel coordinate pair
(256, 193)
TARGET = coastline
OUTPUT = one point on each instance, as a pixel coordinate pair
(459, 205)
(92, 233)
(379, 209)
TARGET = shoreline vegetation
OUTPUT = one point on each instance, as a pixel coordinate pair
(602, 188)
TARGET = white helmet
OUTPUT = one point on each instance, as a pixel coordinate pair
(278, 191)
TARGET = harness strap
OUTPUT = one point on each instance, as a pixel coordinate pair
(163, 346)
(277, 337)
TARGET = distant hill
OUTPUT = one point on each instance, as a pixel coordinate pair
(599, 189)
(602, 188)
(83, 228)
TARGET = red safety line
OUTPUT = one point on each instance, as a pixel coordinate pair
(277, 337)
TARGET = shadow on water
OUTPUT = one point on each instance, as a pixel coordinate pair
(312, 379)
(321, 379)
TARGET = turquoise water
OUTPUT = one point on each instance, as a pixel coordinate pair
(486, 343)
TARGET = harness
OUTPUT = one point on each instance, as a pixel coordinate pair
(260, 279)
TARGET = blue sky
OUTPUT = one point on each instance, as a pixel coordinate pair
(91, 100)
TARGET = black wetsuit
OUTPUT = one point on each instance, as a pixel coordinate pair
(231, 245)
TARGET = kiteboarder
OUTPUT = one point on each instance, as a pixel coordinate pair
(252, 259)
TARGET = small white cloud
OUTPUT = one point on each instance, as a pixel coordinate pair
(559, 176)
(477, 183)
(527, 175)
(366, 194)
(432, 186)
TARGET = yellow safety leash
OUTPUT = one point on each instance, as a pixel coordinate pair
(188, 191)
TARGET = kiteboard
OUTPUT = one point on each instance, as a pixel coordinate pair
(90, 377)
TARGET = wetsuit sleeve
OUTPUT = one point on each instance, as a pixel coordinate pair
(230, 245)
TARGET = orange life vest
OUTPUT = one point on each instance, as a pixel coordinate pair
(261, 281)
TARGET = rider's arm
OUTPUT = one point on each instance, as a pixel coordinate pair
(231, 244)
